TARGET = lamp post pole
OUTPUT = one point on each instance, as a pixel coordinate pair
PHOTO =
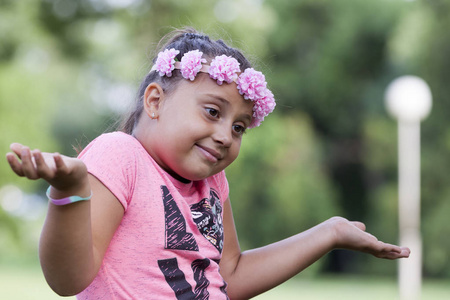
(410, 270)
(408, 99)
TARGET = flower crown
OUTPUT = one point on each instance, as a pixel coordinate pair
(250, 83)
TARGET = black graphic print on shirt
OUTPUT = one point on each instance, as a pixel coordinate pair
(177, 281)
(207, 214)
(176, 235)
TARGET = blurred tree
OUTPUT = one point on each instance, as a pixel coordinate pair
(417, 46)
(75, 65)
(431, 62)
(330, 56)
(26, 93)
(109, 44)
(277, 185)
(69, 69)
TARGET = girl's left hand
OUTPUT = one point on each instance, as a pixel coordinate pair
(352, 236)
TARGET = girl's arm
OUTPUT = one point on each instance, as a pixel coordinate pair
(255, 271)
(75, 236)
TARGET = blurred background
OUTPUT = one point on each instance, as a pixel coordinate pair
(69, 69)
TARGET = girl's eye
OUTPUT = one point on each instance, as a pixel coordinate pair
(213, 112)
(239, 129)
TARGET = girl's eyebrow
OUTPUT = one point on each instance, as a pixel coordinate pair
(247, 117)
(226, 102)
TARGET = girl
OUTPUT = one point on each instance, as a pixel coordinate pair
(143, 213)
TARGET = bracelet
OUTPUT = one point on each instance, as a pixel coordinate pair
(66, 200)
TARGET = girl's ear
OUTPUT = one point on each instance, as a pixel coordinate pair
(153, 97)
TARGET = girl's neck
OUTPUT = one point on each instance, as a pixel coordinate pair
(141, 134)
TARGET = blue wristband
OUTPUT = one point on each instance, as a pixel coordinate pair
(66, 200)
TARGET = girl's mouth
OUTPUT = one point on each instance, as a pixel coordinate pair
(210, 154)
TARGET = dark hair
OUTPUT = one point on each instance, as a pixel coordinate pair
(184, 40)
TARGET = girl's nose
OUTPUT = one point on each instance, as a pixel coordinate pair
(223, 135)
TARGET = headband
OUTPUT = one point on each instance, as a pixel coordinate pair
(250, 83)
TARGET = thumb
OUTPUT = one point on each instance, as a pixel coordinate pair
(359, 225)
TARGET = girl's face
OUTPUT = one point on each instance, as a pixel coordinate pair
(199, 128)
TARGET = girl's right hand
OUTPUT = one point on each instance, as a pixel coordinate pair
(63, 173)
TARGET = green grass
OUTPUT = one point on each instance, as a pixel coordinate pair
(351, 288)
(23, 283)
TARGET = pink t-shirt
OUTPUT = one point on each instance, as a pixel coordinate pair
(170, 240)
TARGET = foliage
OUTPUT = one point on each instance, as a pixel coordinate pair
(434, 66)
(291, 192)
(69, 69)
(294, 197)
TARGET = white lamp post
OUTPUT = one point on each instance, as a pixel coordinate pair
(408, 99)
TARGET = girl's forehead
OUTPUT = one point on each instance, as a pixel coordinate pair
(227, 92)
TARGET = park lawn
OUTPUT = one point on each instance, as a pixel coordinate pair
(28, 283)
(347, 287)
(25, 283)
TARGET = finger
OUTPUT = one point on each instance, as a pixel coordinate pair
(374, 238)
(394, 254)
(59, 163)
(359, 225)
(393, 248)
(388, 255)
(42, 169)
(16, 148)
(14, 163)
(389, 251)
(401, 251)
(405, 252)
(28, 166)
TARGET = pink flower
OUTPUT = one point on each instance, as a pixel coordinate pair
(252, 84)
(165, 63)
(224, 68)
(191, 63)
(262, 108)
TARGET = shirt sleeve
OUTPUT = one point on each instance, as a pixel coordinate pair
(110, 159)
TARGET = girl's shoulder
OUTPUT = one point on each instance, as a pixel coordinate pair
(114, 141)
(116, 148)
(113, 159)
(116, 137)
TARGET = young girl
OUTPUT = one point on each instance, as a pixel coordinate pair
(144, 213)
